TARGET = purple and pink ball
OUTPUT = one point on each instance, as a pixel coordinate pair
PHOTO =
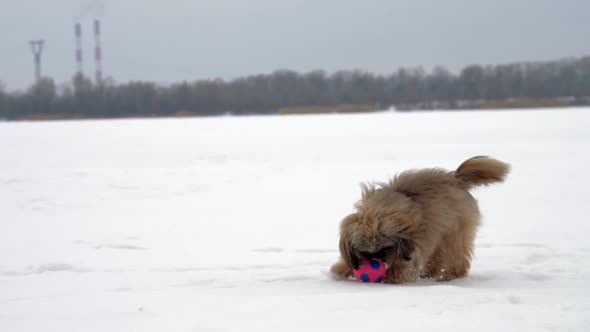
(370, 271)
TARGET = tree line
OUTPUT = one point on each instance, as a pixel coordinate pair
(408, 88)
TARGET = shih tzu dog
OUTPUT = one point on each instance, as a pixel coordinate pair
(421, 224)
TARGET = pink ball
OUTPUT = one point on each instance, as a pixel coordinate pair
(370, 271)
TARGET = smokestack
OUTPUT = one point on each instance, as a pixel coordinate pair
(97, 52)
(37, 48)
(79, 48)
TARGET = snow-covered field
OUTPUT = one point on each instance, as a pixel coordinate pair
(219, 224)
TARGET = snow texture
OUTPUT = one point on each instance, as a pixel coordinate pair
(231, 223)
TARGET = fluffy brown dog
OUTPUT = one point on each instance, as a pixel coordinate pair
(421, 224)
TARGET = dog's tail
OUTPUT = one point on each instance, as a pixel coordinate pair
(480, 170)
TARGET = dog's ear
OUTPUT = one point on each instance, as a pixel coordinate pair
(348, 255)
(346, 251)
(405, 248)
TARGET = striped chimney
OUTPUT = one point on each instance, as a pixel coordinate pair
(79, 59)
(97, 52)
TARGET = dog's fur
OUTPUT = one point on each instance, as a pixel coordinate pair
(421, 224)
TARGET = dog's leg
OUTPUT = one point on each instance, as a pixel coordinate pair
(454, 258)
(432, 265)
(403, 272)
(394, 275)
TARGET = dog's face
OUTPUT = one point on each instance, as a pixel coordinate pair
(382, 228)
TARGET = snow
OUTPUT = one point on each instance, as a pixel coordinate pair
(231, 223)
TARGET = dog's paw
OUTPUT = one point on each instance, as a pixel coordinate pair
(340, 271)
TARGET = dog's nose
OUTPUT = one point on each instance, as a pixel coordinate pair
(372, 255)
(380, 254)
(366, 255)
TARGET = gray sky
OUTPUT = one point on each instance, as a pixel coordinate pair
(175, 40)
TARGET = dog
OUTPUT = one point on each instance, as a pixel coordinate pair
(421, 224)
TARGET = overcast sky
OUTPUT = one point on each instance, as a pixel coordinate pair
(174, 40)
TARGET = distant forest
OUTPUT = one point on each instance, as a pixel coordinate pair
(553, 83)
